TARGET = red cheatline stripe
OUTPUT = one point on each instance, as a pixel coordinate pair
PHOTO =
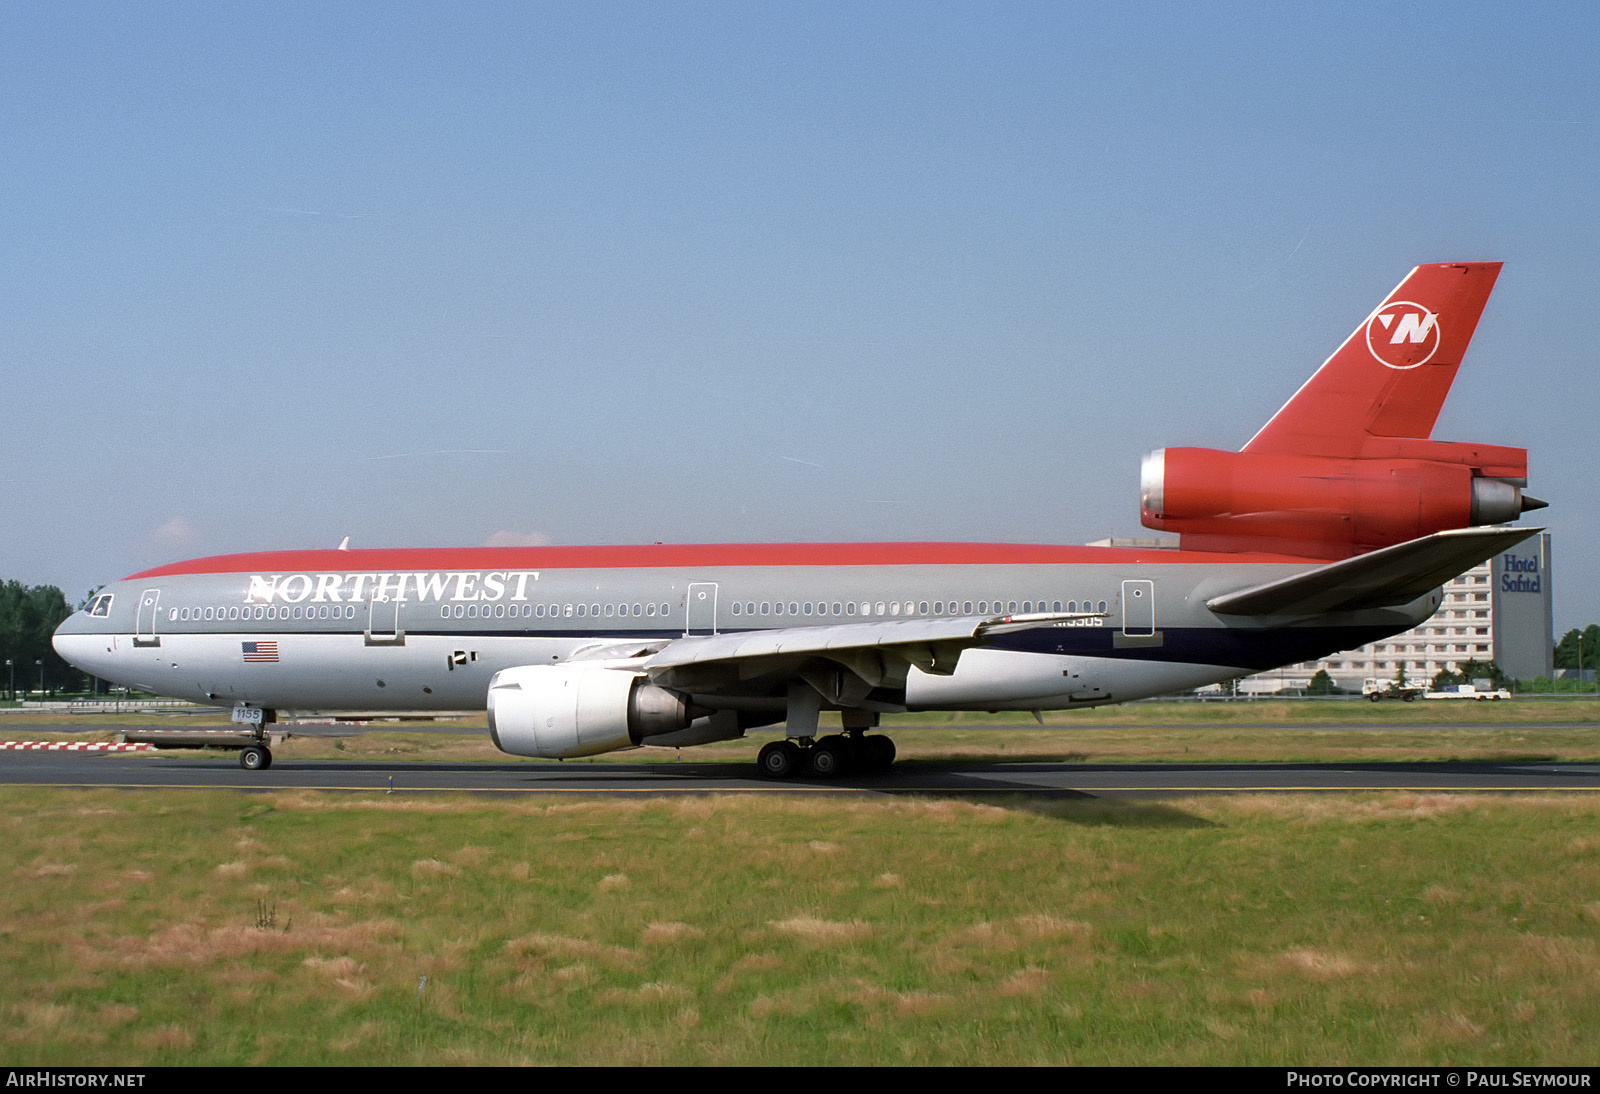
(71, 746)
(674, 555)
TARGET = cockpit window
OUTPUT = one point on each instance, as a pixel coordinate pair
(100, 606)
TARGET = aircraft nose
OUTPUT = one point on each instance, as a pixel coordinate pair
(78, 647)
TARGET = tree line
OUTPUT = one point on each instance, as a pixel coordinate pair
(1579, 649)
(29, 615)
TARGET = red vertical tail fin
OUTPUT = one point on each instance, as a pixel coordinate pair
(1391, 376)
(1347, 466)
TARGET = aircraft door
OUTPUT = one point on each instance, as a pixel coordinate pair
(383, 623)
(144, 626)
(701, 610)
(1139, 608)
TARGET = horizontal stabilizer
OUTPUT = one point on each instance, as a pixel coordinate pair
(1393, 575)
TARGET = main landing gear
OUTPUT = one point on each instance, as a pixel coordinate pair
(804, 753)
(826, 757)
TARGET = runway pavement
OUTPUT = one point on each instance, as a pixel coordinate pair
(178, 769)
(186, 768)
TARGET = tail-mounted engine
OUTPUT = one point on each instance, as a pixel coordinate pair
(580, 709)
(1329, 507)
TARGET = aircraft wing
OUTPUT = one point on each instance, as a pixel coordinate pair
(878, 652)
(1392, 575)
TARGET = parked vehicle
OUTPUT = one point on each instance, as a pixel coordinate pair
(1468, 691)
(1379, 690)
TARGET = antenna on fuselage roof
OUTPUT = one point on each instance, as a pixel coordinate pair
(344, 544)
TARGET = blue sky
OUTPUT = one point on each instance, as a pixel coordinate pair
(575, 273)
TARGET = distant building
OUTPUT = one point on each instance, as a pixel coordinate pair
(1499, 611)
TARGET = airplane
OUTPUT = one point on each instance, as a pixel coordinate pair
(1336, 525)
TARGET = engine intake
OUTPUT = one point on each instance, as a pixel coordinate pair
(580, 709)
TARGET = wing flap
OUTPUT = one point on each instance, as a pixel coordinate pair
(1393, 575)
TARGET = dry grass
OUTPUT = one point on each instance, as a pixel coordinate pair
(306, 928)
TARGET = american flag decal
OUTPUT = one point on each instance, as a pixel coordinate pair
(260, 651)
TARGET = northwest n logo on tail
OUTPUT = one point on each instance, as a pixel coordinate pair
(1403, 335)
(1390, 377)
(1348, 465)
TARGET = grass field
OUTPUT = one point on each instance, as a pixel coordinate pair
(144, 927)
(213, 927)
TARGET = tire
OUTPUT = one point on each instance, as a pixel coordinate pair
(1375, 697)
(844, 749)
(255, 759)
(828, 759)
(877, 754)
(779, 760)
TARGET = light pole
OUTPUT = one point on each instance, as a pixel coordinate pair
(40, 663)
(12, 669)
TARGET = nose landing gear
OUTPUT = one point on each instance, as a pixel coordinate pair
(255, 758)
